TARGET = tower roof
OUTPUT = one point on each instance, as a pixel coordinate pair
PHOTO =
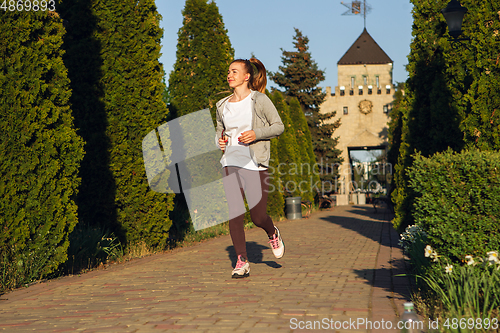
(365, 50)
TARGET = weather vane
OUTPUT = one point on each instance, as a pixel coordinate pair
(357, 8)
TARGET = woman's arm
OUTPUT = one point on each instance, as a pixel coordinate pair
(269, 111)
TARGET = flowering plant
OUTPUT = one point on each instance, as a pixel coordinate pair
(470, 289)
(411, 234)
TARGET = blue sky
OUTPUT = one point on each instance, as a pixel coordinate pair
(265, 26)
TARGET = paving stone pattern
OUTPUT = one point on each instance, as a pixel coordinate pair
(338, 268)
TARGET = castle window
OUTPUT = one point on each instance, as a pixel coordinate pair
(365, 80)
(370, 90)
(346, 110)
(377, 80)
(388, 89)
(360, 88)
(379, 91)
(353, 81)
(342, 91)
(351, 92)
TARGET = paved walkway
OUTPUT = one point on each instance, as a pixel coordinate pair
(338, 270)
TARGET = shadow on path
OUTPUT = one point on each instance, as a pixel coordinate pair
(370, 228)
(255, 255)
(387, 279)
(390, 261)
(382, 215)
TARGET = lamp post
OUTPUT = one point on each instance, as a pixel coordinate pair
(454, 15)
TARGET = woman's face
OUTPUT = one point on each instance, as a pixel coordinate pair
(236, 75)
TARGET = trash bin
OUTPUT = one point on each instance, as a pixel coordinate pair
(293, 208)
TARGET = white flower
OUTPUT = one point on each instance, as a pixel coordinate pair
(493, 257)
(470, 260)
(428, 251)
(448, 269)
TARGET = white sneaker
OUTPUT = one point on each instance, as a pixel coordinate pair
(242, 268)
(277, 244)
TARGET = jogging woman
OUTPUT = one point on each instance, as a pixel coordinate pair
(246, 121)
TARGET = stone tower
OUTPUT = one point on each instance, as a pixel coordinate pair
(362, 100)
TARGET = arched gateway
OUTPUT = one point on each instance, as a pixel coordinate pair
(362, 100)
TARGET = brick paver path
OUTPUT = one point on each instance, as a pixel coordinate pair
(338, 270)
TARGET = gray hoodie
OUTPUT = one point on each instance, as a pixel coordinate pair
(266, 123)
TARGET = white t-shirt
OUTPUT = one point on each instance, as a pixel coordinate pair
(237, 118)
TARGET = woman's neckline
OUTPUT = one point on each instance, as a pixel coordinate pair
(241, 100)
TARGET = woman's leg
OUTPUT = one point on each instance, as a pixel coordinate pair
(234, 194)
(256, 188)
(257, 192)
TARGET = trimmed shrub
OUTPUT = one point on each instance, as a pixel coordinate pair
(288, 150)
(275, 201)
(458, 201)
(306, 157)
(203, 55)
(40, 152)
(198, 77)
(452, 95)
(117, 80)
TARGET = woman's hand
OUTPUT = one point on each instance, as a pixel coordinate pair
(247, 137)
(223, 142)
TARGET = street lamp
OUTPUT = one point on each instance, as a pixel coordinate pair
(454, 15)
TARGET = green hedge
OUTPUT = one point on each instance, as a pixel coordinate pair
(112, 56)
(458, 201)
(40, 152)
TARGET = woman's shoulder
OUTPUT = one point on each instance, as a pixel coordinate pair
(222, 100)
(258, 96)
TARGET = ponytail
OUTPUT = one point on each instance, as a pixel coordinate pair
(257, 71)
(259, 81)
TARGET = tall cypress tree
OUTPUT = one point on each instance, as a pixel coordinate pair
(288, 150)
(306, 158)
(300, 77)
(275, 200)
(395, 129)
(198, 79)
(481, 114)
(40, 152)
(453, 91)
(431, 121)
(204, 53)
(113, 51)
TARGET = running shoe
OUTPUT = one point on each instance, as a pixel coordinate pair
(242, 268)
(277, 244)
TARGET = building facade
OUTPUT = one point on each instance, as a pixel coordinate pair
(362, 99)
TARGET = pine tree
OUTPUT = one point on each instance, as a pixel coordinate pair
(299, 77)
(113, 51)
(204, 53)
(40, 152)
